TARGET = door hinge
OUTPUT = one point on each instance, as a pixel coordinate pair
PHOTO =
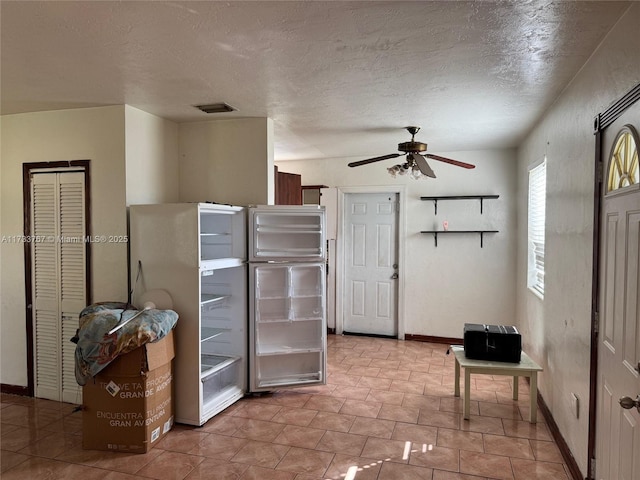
(596, 322)
(592, 473)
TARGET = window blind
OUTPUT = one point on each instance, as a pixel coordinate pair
(536, 223)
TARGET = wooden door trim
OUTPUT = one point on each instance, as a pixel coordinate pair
(601, 122)
(27, 170)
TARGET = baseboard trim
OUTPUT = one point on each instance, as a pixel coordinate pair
(14, 389)
(568, 457)
(409, 336)
(430, 339)
(372, 335)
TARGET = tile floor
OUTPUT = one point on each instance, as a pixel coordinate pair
(387, 412)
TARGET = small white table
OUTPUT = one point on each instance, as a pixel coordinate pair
(526, 368)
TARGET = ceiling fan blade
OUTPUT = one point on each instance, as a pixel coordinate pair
(374, 159)
(423, 165)
(448, 160)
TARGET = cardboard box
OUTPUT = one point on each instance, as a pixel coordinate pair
(128, 406)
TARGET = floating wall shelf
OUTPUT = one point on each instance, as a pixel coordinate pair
(459, 197)
(447, 232)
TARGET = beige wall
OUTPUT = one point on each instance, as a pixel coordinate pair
(96, 134)
(458, 281)
(227, 161)
(556, 330)
(135, 158)
(151, 145)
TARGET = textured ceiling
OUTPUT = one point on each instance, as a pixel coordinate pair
(339, 79)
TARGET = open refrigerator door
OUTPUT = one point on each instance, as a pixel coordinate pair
(287, 292)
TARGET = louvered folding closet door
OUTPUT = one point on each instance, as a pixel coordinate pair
(58, 269)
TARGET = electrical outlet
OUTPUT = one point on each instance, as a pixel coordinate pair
(575, 404)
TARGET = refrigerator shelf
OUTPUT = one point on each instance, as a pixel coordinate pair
(286, 253)
(220, 380)
(207, 266)
(289, 379)
(217, 401)
(266, 350)
(272, 319)
(204, 234)
(289, 320)
(215, 239)
(290, 227)
(207, 333)
(269, 295)
(306, 294)
(210, 364)
(207, 298)
(292, 250)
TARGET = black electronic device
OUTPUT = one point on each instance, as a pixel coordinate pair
(496, 343)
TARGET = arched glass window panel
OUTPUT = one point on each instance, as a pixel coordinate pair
(623, 160)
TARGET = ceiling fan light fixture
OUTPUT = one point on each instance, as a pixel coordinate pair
(416, 165)
(404, 169)
(216, 108)
(415, 172)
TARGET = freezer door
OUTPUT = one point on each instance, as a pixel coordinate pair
(288, 325)
(287, 233)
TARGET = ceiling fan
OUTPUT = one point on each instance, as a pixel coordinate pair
(416, 164)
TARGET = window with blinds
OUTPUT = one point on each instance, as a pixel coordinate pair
(536, 222)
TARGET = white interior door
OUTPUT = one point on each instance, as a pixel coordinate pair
(58, 259)
(371, 263)
(618, 429)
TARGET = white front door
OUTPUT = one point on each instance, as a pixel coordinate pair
(371, 263)
(618, 429)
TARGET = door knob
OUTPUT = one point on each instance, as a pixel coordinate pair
(628, 402)
(394, 276)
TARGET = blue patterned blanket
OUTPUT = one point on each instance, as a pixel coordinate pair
(96, 347)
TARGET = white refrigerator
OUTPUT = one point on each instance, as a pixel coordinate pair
(249, 287)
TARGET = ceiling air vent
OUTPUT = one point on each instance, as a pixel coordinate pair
(216, 108)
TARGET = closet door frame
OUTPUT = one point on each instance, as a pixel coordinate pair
(27, 170)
